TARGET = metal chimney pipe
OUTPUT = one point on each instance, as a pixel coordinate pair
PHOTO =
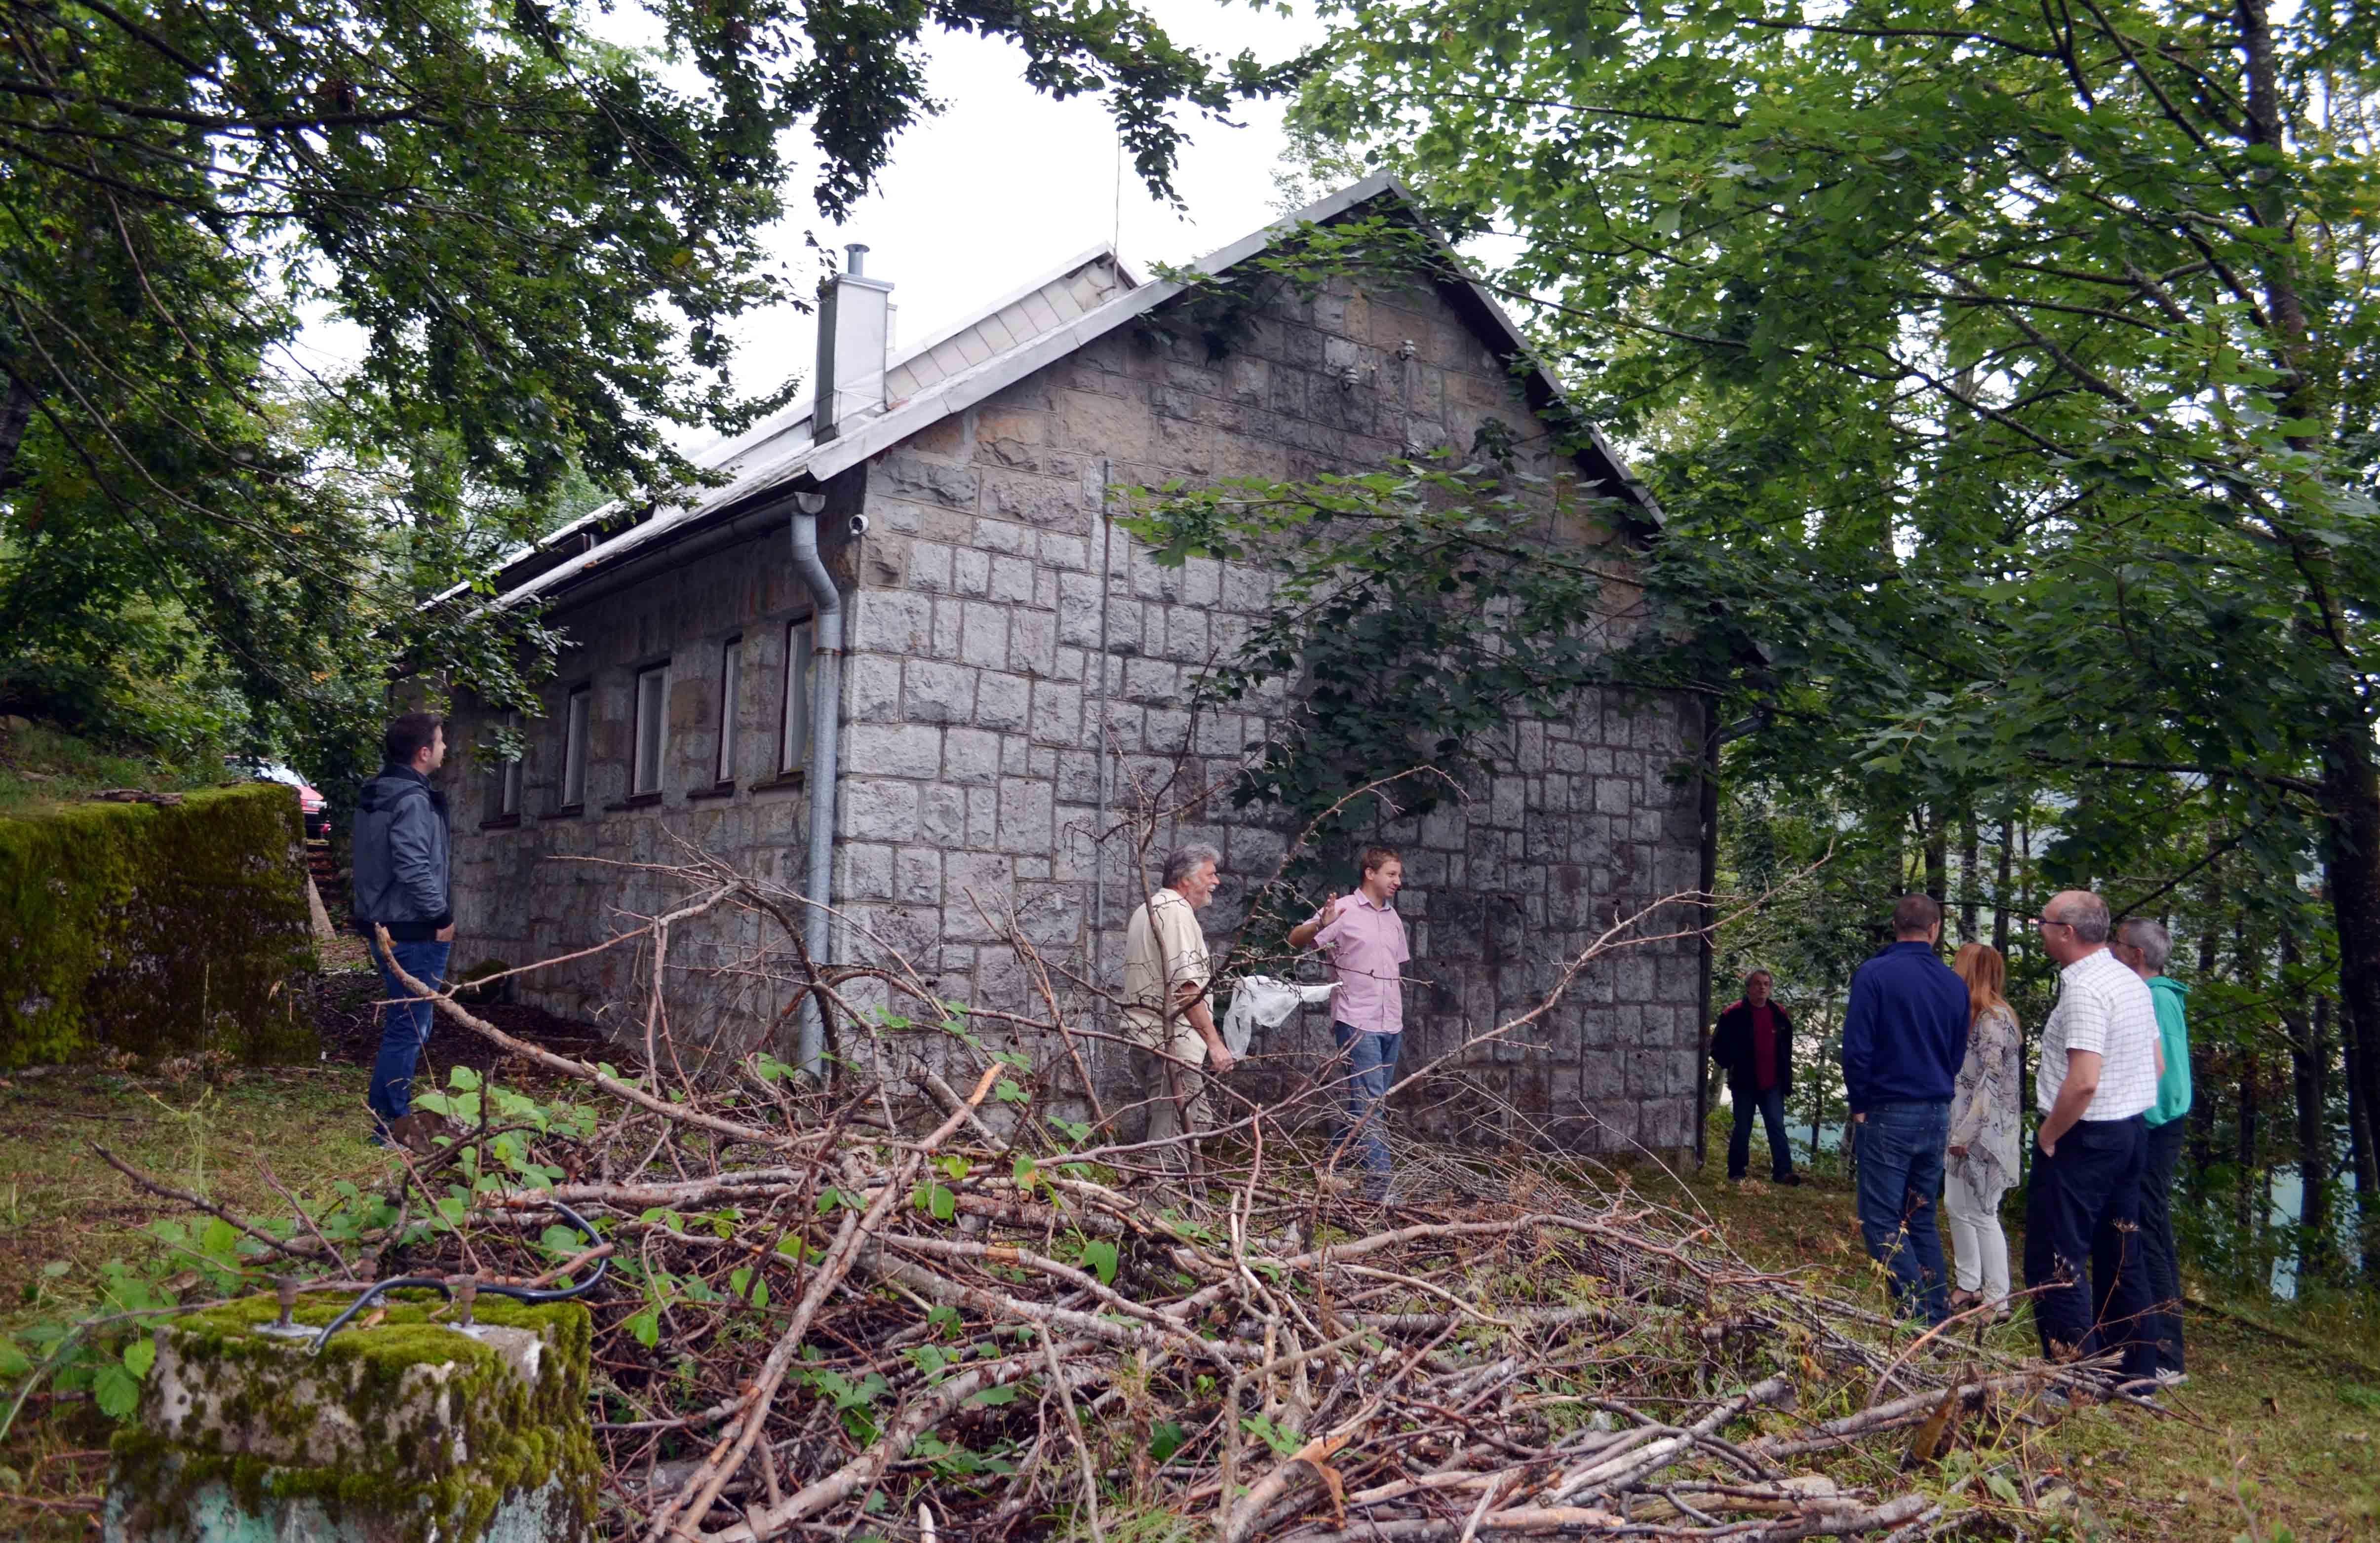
(854, 259)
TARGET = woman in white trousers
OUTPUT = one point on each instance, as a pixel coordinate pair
(1981, 1163)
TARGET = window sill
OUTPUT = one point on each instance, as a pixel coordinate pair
(717, 790)
(798, 777)
(634, 801)
(501, 822)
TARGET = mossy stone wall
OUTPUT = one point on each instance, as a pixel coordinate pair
(155, 929)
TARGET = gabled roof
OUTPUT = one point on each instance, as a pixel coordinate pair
(780, 456)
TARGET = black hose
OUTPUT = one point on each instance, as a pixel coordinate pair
(447, 1289)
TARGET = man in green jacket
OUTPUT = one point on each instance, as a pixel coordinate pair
(2145, 945)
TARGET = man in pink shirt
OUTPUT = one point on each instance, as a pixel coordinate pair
(1366, 942)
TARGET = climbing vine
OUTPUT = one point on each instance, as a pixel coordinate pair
(1419, 613)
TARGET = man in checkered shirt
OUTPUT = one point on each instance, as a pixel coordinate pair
(2099, 1076)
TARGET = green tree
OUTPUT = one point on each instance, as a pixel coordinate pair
(537, 233)
(2007, 372)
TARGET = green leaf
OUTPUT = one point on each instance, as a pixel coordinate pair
(991, 1397)
(13, 1361)
(1100, 1256)
(117, 1392)
(1165, 1438)
(645, 1327)
(140, 1355)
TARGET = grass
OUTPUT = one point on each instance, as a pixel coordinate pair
(2273, 1439)
(60, 1204)
(41, 768)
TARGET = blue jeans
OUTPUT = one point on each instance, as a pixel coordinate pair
(1900, 1147)
(1770, 1106)
(1371, 1068)
(405, 1027)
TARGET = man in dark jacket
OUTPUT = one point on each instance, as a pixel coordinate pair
(401, 883)
(1904, 1036)
(1753, 1045)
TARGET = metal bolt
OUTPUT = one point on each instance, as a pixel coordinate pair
(284, 1291)
(466, 1291)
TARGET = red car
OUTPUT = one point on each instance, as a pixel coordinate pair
(310, 802)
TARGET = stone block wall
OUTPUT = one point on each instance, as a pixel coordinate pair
(1018, 669)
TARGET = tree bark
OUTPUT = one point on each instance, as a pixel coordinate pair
(2351, 873)
(2000, 893)
(2363, 1158)
(15, 413)
(2310, 1069)
(1969, 893)
(1937, 857)
(2202, 1106)
(2245, 968)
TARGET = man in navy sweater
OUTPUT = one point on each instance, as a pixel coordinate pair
(1904, 1036)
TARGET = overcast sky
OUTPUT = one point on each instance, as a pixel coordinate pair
(1006, 185)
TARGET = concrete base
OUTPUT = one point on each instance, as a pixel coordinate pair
(211, 1513)
(411, 1431)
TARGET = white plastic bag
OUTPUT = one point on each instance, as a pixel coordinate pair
(1262, 1001)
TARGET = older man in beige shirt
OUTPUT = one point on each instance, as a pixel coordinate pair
(1168, 1012)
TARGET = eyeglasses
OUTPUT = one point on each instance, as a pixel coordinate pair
(2044, 921)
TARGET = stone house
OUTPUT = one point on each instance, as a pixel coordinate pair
(1010, 658)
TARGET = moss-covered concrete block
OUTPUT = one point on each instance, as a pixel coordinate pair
(156, 929)
(411, 1431)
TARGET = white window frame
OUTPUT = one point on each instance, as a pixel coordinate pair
(648, 746)
(578, 717)
(801, 674)
(731, 691)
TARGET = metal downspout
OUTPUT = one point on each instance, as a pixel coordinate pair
(825, 712)
(1099, 741)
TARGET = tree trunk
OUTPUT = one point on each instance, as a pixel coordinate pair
(15, 413)
(1970, 892)
(2363, 1158)
(2351, 874)
(2000, 893)
(2244, 1149)
(1937, 857)
(2247, 969)
(2310, 1069)
(2202, 1106)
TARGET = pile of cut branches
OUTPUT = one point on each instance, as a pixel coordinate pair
(840, 1313)
(873, 1303)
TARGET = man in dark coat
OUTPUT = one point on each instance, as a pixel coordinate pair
(403, 883)
(1753, 1045)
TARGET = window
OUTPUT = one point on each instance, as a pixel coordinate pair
(652, 712)
(573, 748)
(731, 695)
(794, 745)
(504, 775)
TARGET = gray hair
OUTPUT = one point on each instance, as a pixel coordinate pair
(2087, 913)
(1183, 861)
(2148, 935)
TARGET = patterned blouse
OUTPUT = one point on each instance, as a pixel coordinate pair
(1984, 1106)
